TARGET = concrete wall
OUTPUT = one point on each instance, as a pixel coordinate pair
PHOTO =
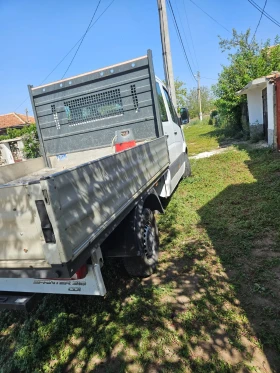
(270, 113)
(255, 107)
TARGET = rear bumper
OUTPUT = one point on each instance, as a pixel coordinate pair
(18, 301)
(92, 284)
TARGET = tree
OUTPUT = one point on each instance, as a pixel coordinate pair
(248, 60)
(206, 101)
(181, 93)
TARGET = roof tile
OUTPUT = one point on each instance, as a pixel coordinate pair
(14, 120)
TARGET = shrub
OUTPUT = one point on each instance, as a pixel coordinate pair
(29, 137)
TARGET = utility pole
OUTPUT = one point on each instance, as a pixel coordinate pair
(199, 95)
(166, 50)
(26, 112)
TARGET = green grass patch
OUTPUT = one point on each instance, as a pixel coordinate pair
(213, 305)
(200, 137)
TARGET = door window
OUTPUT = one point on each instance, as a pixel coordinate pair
(162, 107)
(170, 105)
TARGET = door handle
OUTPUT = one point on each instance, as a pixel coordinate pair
(175, 132)
(166, 135)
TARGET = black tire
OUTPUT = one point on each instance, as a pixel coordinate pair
(147, 239)
(188, 170)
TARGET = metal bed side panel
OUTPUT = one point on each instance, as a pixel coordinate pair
(85, 200)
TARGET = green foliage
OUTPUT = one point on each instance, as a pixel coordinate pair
(190, 101)
(30, 139)
(248, 60)
(213, 113)
(181, 93)
(31, 144)
(206, 101)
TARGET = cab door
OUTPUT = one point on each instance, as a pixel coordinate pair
(167, 124)
(177, 131)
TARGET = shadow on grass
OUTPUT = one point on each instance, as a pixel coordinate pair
(186, 317)
(151, 325)
(225, 136)
(243, 224)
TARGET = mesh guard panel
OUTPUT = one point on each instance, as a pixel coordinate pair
(94, 107)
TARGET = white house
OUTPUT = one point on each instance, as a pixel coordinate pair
(11, 151)
(262, 106)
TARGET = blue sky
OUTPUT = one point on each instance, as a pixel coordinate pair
(36, 35)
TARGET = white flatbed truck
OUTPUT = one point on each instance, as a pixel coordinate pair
(61, 214)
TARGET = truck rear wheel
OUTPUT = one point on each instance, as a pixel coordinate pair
(146, 235)
(187, 171)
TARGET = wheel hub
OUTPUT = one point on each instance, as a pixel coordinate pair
(149, 241)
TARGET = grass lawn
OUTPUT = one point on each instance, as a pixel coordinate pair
(213, 305)
(202, 137)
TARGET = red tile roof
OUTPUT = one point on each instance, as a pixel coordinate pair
(14, 120)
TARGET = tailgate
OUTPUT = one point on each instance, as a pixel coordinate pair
(21, 241)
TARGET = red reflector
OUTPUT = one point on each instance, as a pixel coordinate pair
(125, 145)
(81, 273)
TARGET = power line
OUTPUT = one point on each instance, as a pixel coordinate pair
(180, 39)
(60, 62)
(259, 20)
(264, 13)
(209, 16)
(81, 42)
(186, 40)
(187, 18)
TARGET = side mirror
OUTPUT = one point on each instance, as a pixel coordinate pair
(184, 113)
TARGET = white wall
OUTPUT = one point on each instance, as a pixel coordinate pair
(6, 153)
(255, 107)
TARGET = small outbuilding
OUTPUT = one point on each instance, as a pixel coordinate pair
(263, 98)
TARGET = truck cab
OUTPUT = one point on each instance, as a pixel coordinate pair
(177, 148)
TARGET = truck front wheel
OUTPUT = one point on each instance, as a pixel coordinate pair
(147, 239)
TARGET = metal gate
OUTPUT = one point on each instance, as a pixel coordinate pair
(277, 89)
(265, 117)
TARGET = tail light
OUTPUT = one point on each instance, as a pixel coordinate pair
(81, 273)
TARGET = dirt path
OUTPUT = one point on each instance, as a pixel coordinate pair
(227, 147)
(209, 154)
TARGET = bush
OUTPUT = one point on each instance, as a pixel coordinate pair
(31, 144)
(213, 113)
(29, 137)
